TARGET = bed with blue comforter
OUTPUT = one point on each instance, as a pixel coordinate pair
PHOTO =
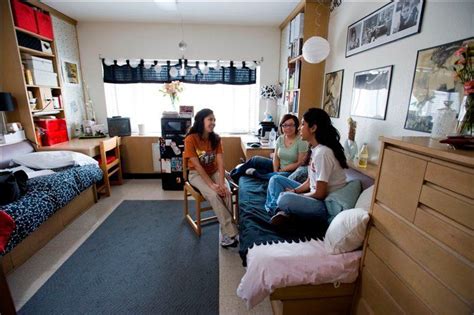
(254, 226)
(46, 195)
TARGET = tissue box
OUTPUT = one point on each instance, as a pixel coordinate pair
(10, 138)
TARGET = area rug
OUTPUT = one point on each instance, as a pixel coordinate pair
(143, 259)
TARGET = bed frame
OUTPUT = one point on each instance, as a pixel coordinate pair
(324, 298)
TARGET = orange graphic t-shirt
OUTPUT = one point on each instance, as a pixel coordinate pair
(194, 146)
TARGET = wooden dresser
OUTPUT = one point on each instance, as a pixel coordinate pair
(419, 254)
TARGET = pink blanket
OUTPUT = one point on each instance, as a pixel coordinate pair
(270, 267)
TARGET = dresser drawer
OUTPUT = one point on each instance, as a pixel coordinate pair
(458, 179)
(400, 181)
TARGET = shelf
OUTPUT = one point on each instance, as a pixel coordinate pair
(37, 113)
(370, 171)
(35, 52)
(294, 60)
(43, 86)
(293, 90)
(33, 34)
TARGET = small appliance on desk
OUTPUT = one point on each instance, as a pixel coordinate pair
(119, 126)
(265, 129)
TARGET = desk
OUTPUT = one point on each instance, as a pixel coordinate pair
(250, 152)
(89, 147)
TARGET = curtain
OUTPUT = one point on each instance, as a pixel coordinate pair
(224, 75)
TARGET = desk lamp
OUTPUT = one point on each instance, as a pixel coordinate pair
(6, 105)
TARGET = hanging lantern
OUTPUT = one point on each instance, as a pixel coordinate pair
(316, 49)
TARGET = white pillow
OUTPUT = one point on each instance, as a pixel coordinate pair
(365, 199)
(346, 231)
(29, 172)
(53, 159)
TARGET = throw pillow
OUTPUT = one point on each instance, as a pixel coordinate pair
(347, 231)
(342, 199)
(53, 159)
(365, 199)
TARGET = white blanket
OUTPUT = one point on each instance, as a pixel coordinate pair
(270, 267)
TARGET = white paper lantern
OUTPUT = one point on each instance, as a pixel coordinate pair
(108, 62)
(147, 64)
(182, 71)
(134, 63)
(174, 72)
(194, 71)
(315, 49)
(157, 68)
(205, 70)
(251, 65)
(121, 62)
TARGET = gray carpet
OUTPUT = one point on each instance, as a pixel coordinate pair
(143, 259)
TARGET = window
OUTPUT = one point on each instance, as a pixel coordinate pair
(235, 106)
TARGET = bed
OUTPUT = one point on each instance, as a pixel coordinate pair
(50, 203)
(291, 266)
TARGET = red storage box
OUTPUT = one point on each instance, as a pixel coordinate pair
(53, 137)
(52, 124)
(24, 16)
(45, 27)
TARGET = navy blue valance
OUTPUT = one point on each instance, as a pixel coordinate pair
(125, 74)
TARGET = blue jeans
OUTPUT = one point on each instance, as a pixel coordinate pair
(263, 169)
(292, 203)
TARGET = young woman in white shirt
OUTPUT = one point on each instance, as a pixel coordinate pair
(286, 197)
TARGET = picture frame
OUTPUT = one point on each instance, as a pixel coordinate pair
(434, 84)
(370, 92)
(70, 72)
(395, 20)
(332, 92)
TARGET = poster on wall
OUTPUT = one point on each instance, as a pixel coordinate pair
(332, 93)
(370, 93)
(70, 72)
(434, 85)
(395, 20)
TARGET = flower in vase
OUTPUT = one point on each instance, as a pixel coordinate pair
(464, 73)
(172, 90)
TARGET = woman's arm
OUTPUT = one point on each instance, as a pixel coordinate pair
(301, 188)
(276, 160)
(293, 166)
(223, 189)
(321, 191)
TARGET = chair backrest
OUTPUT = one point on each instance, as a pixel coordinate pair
(109, 145)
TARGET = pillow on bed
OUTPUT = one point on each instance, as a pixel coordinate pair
(53, 159)
(347, 231)
(343, 198)
(365, 199)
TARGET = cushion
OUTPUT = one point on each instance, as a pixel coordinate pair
(300, 174)
(365, 199)
(7, 225)
(342, 199)
(347, 231)
(109, 159)
(53, 159)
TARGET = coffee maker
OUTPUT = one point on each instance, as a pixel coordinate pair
(265, 129)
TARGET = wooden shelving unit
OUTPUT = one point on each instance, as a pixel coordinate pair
(309, 91)
(13, 77)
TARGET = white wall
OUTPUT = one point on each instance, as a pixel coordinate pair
(146, 40)
(443, 22)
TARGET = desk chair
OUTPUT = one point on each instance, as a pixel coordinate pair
(191, 191)
(109, 162)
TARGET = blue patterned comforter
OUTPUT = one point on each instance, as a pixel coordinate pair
(45, 196)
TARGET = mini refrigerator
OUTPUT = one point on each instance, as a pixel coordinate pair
(173, 131)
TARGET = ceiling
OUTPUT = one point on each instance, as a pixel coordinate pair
(246, 12)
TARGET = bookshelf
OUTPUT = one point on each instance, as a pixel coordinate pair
(304, 81)
(48, 97)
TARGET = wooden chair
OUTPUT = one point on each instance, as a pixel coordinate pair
(191, 191)
(109, 162)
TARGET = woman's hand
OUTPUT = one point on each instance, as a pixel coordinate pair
(221, 190)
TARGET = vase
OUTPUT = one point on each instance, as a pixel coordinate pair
(445, 121)
(174, 103)
(466, 116)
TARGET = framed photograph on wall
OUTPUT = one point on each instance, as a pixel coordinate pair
(70, 72)
(395, 20)
(370, 93)
(332, 93)
(434, 85)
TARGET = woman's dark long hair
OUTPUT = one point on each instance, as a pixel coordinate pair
(198, 127)
(326, 133)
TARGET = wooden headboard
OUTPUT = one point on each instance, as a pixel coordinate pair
(9, 151)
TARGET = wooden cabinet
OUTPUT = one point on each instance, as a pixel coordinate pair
(419, 256)
(13, 79)
(309, 91)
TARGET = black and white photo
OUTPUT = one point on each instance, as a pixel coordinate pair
(370, 93)
(332, 93)
(395, 20)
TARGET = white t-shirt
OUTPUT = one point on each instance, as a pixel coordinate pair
(326, 168)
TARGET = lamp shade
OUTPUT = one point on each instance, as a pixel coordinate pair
(315, 49)
(6, 102)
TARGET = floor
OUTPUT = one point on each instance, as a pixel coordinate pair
(29, 277)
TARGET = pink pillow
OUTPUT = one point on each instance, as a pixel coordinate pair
(7, 225)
